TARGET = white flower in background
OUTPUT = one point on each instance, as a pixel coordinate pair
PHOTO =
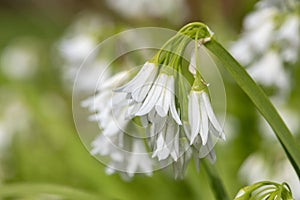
(269, 71)
(14, 118)
(77, 43)
(149, 8)
(270, 41)
(288, 34)
(19, 60)
(202, 119)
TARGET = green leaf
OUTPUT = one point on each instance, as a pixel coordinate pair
(260, 100)
(26, 189)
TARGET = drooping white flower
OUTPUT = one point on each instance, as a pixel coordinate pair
(139, 160)
(148, 91)
(152, 98)
(161, 97)
(149, 99)
(202, 119)
(129, 161)
(126, 153)
(167, 143)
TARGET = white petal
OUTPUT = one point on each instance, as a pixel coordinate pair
(175, 143)
(172, 101)
(140, 94)
(159, 145)
(210, 112)
(187, 130)
(174, 112)
(217, 133)
(160, 123)
(212, 156)
(204, 122)
(194, 115)
(192, 65)
(167, 101)
(159, 107)
(111, 82)
(111, 129)
(153, 96)
(138, 79)
(144, 121)
(151, 115)
(170, 131)
(167, 97)
(132, 110)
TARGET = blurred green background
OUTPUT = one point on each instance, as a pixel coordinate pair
(38, 139)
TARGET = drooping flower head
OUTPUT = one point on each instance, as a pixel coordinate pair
(169, 99)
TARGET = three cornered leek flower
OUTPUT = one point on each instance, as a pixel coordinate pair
(170, 100)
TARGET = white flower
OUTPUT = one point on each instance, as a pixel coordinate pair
(269, 46)
(202, 119)
(139, 160)
(20, 59)
(109, 117)
(129, 161)
(152, 98)
(289, 34)
(167, 143)
(269, 71)
(125, 152)
(161, 97)
(147, 91)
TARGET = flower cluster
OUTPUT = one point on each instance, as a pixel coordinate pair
(170, 100)
(270, 43)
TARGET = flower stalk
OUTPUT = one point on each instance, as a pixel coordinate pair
(215, 182)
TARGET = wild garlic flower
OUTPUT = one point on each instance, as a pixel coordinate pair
(152, 98)
(202, 119)
(127, 160)
(177, 118)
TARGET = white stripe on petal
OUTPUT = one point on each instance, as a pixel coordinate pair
(204, 122)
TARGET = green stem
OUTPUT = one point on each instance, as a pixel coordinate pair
(26, 189)
(260, 100)
(215, 182)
